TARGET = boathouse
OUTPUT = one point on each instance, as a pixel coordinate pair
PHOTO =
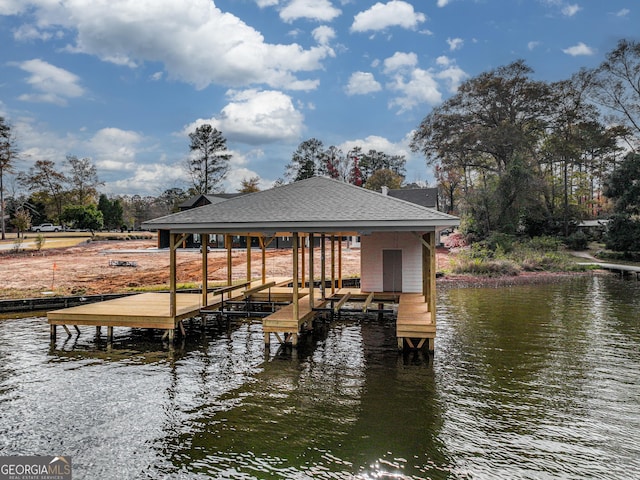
(398, 257)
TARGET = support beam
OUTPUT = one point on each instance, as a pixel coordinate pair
(228, 241)
(311, 274)
(333, 264)
(248, 258)
(205, 266)
(341, 302)
(296, 280)
(339, 262)
(172, 274)
(323, 265)
(263, 251)
(303, 266)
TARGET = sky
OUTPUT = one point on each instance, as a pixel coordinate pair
(124, 82)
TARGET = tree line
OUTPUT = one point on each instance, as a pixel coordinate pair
(518, 156)
(510, 154)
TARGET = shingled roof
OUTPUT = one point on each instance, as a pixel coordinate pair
(317, 204)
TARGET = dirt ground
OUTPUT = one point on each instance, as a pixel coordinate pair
(85, 269)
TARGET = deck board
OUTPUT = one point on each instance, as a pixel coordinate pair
(414, 318)
(283, 320)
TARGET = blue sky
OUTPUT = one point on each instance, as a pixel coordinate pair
(124, 81)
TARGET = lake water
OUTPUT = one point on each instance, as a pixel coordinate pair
(529, 382)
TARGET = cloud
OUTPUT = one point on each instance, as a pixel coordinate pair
(532, 45)
(453, 77)
(623, 13)
(53, 84)
(455, 43)
(443, 3)
(395, 13)
(148, 180)
(418, 87)
(362, 83)
(400, 60)
(115, 149)
(320, 10)
(195, 41)
(579, 49)
(571, 10)
(374, 142)
(323, 34)
(256, 117)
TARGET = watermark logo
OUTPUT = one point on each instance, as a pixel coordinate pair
(35, 468)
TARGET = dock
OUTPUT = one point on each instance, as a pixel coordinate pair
(414, 323)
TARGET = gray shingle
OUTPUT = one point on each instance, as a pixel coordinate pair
(315, 201)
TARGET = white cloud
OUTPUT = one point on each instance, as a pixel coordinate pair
(148, 180)
(320, 10)
(266, 3)
(374, 142)
(254, 117)
(419, 87)
(623, 13)
(12, 7)
(400, 60)
(453, 77)
(532, 45)
(361, 83)
(571, 10)
(443, 61)
(380, 16)
(323, 34)
(195, 41)
(455, 43)
(579, 49)
(53, 84)
(115, 149)
(443, 3)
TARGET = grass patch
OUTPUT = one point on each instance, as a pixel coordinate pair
(534, 255)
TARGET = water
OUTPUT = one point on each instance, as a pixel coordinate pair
(528, 382)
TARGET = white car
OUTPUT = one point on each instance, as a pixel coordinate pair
(46, 227)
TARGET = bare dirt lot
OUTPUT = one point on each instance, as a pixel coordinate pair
(85, 269)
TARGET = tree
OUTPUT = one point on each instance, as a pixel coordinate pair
(22, 221)
(617, 83)
(172, 198)
(209, 163)
(112, 212)
(249, 185)
(47, 185)
(307, 160)
(489, 130)
(623, 187)
(7, 158)
(83, 217)
(83, 179)
(384, 178)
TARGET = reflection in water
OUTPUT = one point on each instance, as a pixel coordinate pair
(527, 382)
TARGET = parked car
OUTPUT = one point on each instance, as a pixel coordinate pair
(46, 227)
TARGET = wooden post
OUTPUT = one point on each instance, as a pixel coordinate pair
(52, 331)
(172, 276)
(302, 262)
(296, 280)
(339, 262)
(205, 265)
(109, 334)
(311, 274)
(263, 249)
(228, 240)
(249, 258)
(432, 278)
(323, 264)
(333, 264)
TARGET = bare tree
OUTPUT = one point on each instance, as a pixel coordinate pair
(7, 157)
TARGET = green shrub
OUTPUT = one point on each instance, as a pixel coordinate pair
(577, 241)
(541, 244)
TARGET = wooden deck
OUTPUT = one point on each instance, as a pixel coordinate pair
(148, 310)
(152, 310)
(414, 321)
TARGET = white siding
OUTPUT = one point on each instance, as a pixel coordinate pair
(371, 260)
